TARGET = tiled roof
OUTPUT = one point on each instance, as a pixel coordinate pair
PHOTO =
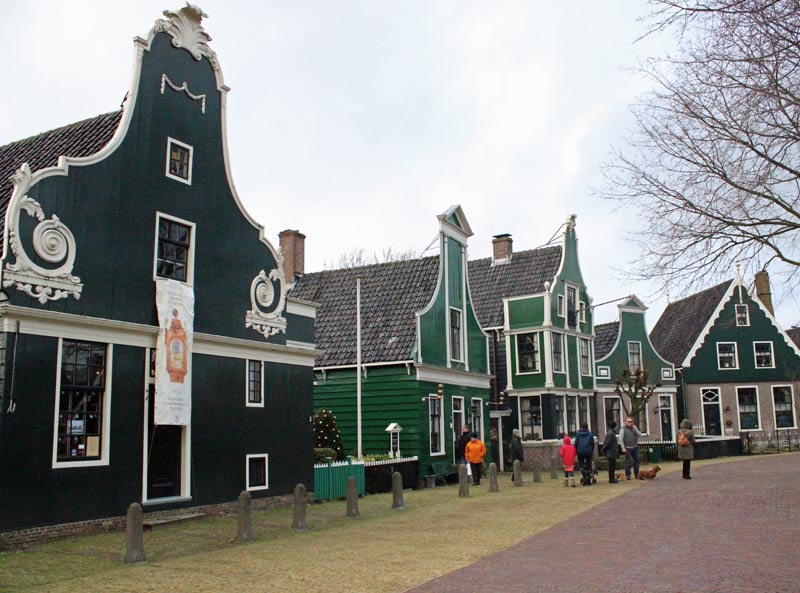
(391, 294)
(794, 335)
(682, 321)
(605, 336)
(525, 274)
(83, 138)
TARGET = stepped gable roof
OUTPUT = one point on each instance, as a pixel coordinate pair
(794, 335)
(391, 294)
(82, 138)
(605, 336)
(682, 322)
(525, 274)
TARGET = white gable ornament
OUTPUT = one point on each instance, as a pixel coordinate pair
(267, 298)
(52, 242)
(186, 29)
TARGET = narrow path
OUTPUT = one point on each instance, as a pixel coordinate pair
(733, 528)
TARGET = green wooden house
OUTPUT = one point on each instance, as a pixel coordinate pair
(624, 344)
(148, 351)
(739, 370)
(423, 357)
(547, 335)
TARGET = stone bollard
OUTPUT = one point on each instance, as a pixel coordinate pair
(537, 472)
(244, 509)
(352, 498)
(463, 482)
(397, 491)
(517, 473)
(135, 534)
(493, 487)
(299, 514)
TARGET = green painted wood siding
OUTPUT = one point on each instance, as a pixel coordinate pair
(527, 380)
(704, 368)
(526, 313)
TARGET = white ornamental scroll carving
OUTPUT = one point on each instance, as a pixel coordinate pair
(52, 242)
(186, 30)
(267, 298)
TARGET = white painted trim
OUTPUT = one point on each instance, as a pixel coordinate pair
(247, 402)
(265, 457)
(170, 141)
(466, 304)
(301, 345)
(588, 343)
(509, 373)
(738, 411)
(452, 358)
(452, 377)
(771, 354)
(735, 357)
(105, 438)
(302, 308)
(462, 412)
(538, 353)
(603, 372)
(794, 408)
(563, 354)
(446, 280)
(548, 358)
(605, 417)
(641, 353)
(431, 398)
(192, 245)
(365, 364)
(718, 391)
(736, 316)
(479, 402)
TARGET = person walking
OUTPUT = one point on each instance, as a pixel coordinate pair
(494, 446)
(584, 445)
(568, 455)
(474, 452)
(629, 437)
(610, 448)
(461, 445)
(686, 447)
(517, 452)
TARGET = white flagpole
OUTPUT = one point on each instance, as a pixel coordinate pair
(358, 364)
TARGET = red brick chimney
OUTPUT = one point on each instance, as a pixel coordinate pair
(293, 249)
(502, 248)
(763, 290)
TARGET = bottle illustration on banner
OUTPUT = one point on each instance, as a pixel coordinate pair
(175, 338)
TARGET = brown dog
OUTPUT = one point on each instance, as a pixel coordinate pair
(619, 476)
(648, 474)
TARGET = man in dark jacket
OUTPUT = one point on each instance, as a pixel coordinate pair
(461, 445)
(517, 452)
(584, 443)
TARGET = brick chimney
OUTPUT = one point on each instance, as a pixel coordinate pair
(502, 249)
(763, 290)
(293, 249)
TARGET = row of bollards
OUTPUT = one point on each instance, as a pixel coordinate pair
(135, 518)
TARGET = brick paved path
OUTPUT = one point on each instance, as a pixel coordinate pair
(733, 528)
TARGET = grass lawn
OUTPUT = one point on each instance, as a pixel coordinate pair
(383, 550)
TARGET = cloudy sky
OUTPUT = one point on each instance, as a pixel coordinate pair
(357, 122)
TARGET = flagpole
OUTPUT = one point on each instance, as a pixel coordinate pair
(358, 365)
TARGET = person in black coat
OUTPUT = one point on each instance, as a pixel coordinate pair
(584, 444)
(610, 448)
(517, 452)
(461, 445)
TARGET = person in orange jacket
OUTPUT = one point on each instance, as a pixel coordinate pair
(474, 452)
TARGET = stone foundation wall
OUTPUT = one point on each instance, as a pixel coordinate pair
(545, 454)
(23, 538)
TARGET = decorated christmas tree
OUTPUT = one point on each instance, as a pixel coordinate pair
(326, 433)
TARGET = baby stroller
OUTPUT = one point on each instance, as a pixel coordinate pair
(588, 473)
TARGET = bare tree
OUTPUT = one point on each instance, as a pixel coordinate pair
(358, 256)
(712, 171)
(634, 390)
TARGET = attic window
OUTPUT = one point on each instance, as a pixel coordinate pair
(742, 316)
(179, 161)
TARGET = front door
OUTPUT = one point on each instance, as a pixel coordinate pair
(665, 405)
(163, 456)
(711, 412)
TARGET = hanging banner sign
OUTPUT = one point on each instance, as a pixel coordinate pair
(175, 306)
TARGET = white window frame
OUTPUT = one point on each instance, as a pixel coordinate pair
(431, 398)
(775, 413)
(477, 402)
(265, 457)
(630, 362)
(105, 444)
(667, 373)
(170, 142)
(603, 372)
(561, 306)
(460, 357)
(561, 360)
(736, 310)
(538, 354)
(739, 412)
(582, 307)
(771, 355)
(190, 256)
(735, 357)
(605, 408)
(587, 371)
(262, 368)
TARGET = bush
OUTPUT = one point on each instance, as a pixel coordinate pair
(377, 457)
(326, 433)
(321, 454)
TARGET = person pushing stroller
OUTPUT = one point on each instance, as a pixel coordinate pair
(584, 444)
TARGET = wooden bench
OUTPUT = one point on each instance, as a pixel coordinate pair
(441, 470)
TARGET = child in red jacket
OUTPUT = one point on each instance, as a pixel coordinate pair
(568, 455)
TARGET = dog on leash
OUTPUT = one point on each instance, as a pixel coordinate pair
(648, 474)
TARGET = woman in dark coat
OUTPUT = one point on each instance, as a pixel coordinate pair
(517, 452)
(610, 448)
(686, 453)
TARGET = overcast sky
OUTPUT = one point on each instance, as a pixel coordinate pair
(358, 122)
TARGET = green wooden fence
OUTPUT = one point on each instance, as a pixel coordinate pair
(330, 479)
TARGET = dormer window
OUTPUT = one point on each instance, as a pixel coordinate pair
(179, 161)
(742, 316)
